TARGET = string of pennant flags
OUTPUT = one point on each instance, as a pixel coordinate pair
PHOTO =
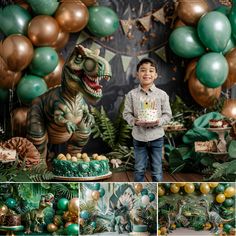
(110, 53)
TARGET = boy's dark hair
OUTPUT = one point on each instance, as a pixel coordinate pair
(146, 60)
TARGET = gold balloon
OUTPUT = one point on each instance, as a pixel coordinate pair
(229, 192)
(191, 11)
(67, 216)
(205, 188)
(206, 97)
(229, 108)
(174, 188)
(18, 121)
(161, 191)
(52, 228)
(72, 16)
(220, 198)
(189, 188)
(17, 52)
(190, 68)
(43, 30)
(8, 78)
(95, 195)
(231, 59)
(138, 188)
(3, 210)
(180, 184)
(61, 41)
(73, 206)
(54, 78)
(213, 184)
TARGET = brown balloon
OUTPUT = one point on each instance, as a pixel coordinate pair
(3, 210)
(229, 108)
(191, 11)
(18, 121)
(206, 97)
(62, 40)
(95, 195)
(190, 67)
(138, 187)
(72, 16)
(43, 30)
(54, 78)
(17, 52)
(8, 78)
(73, 206)
(231, 59)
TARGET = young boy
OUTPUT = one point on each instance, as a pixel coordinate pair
(147, 137)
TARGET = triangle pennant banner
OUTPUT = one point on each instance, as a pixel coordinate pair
(140, 57)
(161, 52)
(125, 62)
(127, 25)
(82, 37)
(109, 55)
(160, 15)
(145, 22)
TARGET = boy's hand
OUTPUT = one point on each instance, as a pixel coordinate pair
(147, 124)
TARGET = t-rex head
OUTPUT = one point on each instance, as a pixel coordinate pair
(46, 200)
(83, 71)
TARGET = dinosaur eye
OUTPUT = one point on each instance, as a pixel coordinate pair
(89, 65)
(78, 59)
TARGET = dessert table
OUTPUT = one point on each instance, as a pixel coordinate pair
(11, 229)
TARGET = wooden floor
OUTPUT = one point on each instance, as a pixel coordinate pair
(128, 176)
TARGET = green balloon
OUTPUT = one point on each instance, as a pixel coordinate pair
(102, 192)
(44, 61)
(214, 30)
(4, 93)
(62, 204)
(224, 9)
(14, 20)
(10, 202)
(103, 21)
(43, 7)
(212, 69)
(230, 45)
(30, 87)
(72, 229)
(184, 42)
(232, 19)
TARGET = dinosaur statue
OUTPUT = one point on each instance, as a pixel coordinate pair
(213, 217)
(61, 115)
(180, 218)
(121, 217)
(35, 217)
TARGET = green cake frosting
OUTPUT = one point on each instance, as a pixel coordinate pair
(80, 168)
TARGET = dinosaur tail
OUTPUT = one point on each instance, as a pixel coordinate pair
(227, 220)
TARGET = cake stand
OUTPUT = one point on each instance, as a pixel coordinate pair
(11, 229)
(82, 179)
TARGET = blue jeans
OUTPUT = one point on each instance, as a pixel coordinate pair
(143, 150)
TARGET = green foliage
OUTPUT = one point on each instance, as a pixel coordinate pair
(66, 190)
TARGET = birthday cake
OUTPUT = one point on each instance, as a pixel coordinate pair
(80, 165)
(148, 115)
(214, 123)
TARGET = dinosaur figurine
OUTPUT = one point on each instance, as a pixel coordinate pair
(213, 217)
(35, 217)
(180, 218)
(61, 115)
(121, 217)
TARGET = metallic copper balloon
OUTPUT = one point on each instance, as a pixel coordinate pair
(3, 210)
(54, 78)
(61, 41)
(191, 11)
(73, 206)
(190, 67)
(18, 121)
(43, 30)
(231, 59)
(8, 78)
(95, 195)
(72, 16)
(52, 228)
(17, 52)
(206, 97)
(229, 108)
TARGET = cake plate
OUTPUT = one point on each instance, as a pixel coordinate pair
(10, 229)
(91, 178)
